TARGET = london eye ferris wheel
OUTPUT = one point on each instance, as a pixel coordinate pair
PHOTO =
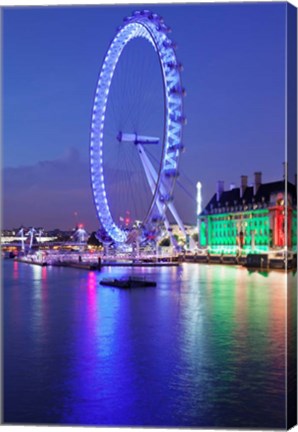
(136, 129)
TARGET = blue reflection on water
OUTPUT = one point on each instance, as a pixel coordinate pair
(203, 348)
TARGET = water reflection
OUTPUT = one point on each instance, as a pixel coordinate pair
(39, 308)
(15, 273)
(206, 347)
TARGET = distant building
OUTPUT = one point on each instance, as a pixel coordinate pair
(249, 218)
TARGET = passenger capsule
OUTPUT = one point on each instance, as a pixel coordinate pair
(169, 44)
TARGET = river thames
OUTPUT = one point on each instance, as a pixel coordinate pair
(205, 348)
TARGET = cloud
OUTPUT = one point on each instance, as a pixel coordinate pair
(48, 193)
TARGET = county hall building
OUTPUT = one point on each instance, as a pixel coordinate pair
(249, 218)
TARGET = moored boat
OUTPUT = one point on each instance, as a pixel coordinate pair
(128, 282)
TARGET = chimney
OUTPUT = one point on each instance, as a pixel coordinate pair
(243, 184)
(258, 181)
(220, 189)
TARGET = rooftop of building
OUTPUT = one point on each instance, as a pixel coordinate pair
(237, 198)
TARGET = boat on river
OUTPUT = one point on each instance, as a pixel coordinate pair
(128, 282)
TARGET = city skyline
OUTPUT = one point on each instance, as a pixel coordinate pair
(235, 102)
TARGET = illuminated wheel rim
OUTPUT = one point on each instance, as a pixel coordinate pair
(151, 27)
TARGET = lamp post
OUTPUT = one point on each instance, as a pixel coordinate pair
(199, 209)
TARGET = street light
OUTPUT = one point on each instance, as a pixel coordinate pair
(199, 208)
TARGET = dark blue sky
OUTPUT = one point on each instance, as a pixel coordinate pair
(234, 73)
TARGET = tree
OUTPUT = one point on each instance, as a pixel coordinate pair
(93, 240)
(165, 242)
(195, 237)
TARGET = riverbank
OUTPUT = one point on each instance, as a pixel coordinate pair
(94, 266)
(254, 261)
(251, 261)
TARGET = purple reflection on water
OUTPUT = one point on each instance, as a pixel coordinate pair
(203, 348)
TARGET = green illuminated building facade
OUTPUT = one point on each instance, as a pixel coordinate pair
(250, 218)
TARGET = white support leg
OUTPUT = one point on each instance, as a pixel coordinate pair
(152, 182)
(150, 171)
